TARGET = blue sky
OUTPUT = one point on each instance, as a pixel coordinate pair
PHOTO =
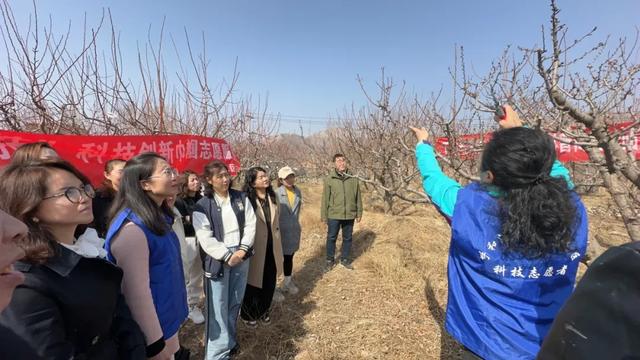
(305, 55)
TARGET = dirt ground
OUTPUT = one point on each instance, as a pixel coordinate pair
(390, 307)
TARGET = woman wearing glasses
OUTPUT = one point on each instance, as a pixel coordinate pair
(141, 241)
(69, 305)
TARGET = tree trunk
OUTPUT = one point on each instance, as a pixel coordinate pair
(613, 181)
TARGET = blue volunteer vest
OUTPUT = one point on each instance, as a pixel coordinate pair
(165, 272)
(499, 306)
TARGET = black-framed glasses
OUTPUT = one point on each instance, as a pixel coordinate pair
(167, 173)
(74, 194)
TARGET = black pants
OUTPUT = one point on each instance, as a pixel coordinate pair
(257, 301)
(288, 264)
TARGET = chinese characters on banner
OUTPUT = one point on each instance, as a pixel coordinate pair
(469, 146)
(90, 153)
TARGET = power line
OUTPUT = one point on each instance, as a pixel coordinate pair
(304, 119)
(299, 116)
(295, 119)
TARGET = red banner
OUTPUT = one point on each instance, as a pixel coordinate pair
(90, 153)
(470, 146)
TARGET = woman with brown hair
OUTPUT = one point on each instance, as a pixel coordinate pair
(70, 304)
(106, 194)
(185, 202)
(34, 152)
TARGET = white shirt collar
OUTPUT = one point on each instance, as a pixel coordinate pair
(88, 245)
(222, 200)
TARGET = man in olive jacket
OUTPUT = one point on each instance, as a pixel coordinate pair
(341, 205)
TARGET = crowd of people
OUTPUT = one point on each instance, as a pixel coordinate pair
(114, 273)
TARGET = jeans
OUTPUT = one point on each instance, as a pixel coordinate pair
(332, 235)
(224, 298)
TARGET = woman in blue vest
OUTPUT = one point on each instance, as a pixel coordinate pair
(517, 238)
(141, 241)
(225, 226)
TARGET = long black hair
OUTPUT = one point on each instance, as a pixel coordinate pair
(250, 177)
(134, 197)
(538, 214)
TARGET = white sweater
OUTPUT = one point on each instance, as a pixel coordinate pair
(215, 248)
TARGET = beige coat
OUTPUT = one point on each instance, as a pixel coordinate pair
(260, 245)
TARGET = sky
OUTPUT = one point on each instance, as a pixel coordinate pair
(304, 56)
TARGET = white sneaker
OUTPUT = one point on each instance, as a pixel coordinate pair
(196, 315)
(277, 296)
(291, 288)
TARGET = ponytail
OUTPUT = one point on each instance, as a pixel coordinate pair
(537, 211)
(538, 219)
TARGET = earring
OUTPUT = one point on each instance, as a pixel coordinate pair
(35, 219)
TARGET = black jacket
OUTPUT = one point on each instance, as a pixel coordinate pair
(19, 348)
(186, 205)
(601, 319)
(71, 307)
(101, 205)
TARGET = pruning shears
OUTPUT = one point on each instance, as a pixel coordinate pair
(500, 111)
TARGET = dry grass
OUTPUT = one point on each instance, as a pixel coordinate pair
(390, 307)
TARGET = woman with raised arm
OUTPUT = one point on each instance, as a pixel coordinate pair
(517, 238)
